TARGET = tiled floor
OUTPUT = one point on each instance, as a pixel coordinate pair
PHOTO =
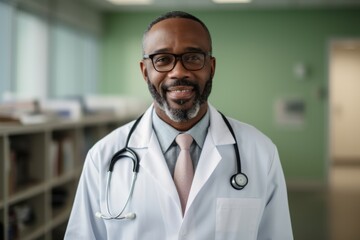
(328, 214)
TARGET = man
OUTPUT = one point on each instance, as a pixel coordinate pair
(178, 68)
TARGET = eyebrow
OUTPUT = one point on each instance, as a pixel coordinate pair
(188, 49)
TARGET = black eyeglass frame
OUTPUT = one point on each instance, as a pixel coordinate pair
(177, 57)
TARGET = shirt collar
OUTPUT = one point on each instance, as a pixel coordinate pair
(166, 133)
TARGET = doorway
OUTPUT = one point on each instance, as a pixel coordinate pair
(344, 139)
(345, 102)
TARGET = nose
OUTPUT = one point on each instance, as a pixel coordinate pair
(179, 71)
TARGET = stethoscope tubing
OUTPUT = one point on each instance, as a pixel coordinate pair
(238, 181)
(108, 180)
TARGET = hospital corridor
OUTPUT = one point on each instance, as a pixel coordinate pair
(73, 71)
(332, 211)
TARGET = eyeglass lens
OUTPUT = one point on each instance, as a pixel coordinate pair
(164, 62)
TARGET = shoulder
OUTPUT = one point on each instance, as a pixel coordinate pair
(115, 139)
(251, 137)
(255, 146)
(118, 137)
(243, 131)
(248, 131)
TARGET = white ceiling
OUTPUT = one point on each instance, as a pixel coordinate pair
(209, 5)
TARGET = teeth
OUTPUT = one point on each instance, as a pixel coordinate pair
(181, 91)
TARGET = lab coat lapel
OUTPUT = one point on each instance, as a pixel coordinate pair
(155, 165)
(218, 134)
(152, 160)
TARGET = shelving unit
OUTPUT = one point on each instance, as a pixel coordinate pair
(39, 170)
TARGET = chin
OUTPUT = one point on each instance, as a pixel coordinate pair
(182, 114)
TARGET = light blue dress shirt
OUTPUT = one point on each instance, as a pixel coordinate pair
(166, 135)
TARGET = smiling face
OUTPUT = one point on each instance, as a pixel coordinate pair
(180, 95)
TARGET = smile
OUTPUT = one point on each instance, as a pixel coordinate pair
(181, 90)
(180, 93)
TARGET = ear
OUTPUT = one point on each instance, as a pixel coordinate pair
(213, 66)
(144, 70)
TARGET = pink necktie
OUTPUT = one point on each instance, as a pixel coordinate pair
(184, 171)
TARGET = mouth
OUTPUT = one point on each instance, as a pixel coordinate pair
(180, 94)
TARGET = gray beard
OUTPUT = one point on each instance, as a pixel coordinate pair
(181, 115)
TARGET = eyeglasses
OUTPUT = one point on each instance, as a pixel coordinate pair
(165, 62)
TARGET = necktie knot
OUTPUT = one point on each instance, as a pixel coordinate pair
(184, 141)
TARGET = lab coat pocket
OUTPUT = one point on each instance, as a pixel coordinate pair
(237, 218)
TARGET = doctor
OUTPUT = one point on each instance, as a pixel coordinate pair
(178, 68)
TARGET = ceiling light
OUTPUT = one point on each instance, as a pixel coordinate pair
(231, 1)
(130, 2)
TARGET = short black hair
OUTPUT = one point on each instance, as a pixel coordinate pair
(178, 14)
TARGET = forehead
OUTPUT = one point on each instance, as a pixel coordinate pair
(176, 35)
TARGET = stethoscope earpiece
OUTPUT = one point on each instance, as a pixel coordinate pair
(238, 181)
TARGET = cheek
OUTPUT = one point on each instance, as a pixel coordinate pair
(156, 80)
(204, 80)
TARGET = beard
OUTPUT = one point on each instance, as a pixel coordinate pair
(181, 115)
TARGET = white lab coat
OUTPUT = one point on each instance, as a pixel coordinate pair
(214, 210)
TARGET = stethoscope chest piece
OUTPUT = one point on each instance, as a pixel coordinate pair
(239, 181)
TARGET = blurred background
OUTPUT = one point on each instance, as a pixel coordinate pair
(291, 68)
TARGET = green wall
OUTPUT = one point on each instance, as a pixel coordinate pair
(256, 52)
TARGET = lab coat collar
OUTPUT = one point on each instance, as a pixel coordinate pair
(218, 130)
(142, 134)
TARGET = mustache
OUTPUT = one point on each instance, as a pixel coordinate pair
(180, 82)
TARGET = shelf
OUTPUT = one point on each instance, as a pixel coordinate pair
(28, 216)
(65, 178)
(26, 162)
(61, 203)
(26, 192)
(39, 170)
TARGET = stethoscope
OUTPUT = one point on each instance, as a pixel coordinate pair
(238, 181)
